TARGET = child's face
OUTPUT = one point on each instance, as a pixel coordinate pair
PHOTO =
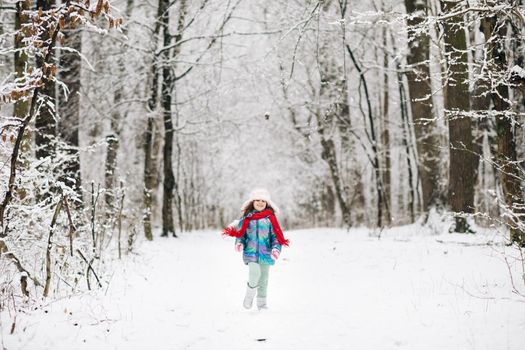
(259, 204)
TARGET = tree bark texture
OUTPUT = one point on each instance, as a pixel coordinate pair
(325, 120)
(149, 149)
(21, 107)
(45, 122)
(385, 133)
(420, 90)
(149, 176)
(69, 109)
(168, 86)
(506, 157)
(405, 142)
(374, 158)
(462, 170)
(168, 226)
(113, 138)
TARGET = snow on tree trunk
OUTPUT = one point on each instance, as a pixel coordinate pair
(462, 170)
(45, 122)
(150, 170)
(421, 102)
(69, 109)
(495, 33)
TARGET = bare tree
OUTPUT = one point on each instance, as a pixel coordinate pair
(149, 154)
(495, 31)
(421, 102)
(168, 85)
(462, 168)
(69, 108)
(45, 122)
(113, 138)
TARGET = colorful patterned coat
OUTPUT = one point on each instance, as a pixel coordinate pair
(258, 242)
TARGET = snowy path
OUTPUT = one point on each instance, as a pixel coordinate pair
(330, 290)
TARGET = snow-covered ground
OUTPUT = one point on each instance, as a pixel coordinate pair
(331, 289)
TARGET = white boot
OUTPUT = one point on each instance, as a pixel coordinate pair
(261, 303)
(248, 298)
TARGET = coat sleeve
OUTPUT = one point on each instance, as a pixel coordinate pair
(243, 238)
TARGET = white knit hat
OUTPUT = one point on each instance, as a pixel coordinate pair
(260, 193)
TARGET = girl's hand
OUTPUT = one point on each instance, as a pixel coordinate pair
(238, 247)
(275, 253)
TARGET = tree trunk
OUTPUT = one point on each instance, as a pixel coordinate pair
(168, 85)
(354, 191)
(113, 139)
(21, 107)
(167, 88)
(177, 185)
(69, 110)
(485, 146)
(420, 90)
(45, 124)
(337, 104)
(506, 158)
(149, 173)
(149, 149)
(462, 170)
(329, 155)
(385, 133)
(406, 143)
(374, 158)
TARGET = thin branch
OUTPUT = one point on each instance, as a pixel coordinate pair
(72, 228)
(301, 35)
(90, 268)
(48, 249)
(212, 42)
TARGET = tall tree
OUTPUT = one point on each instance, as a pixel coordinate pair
(462, 169)
(328, 91)
(69, 107)
(495, 32)
(45, 122)
(385, 127)
(350, 172)
(149, 147)
(420, 90)
(372, 139)
(21, 107)
(168, 85)
(113, 138)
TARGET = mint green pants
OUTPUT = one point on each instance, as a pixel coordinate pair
(258, 277)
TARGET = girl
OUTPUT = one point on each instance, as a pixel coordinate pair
(259, 237)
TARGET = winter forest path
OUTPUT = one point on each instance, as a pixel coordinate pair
(330, 290)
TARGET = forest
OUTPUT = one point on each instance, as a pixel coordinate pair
(124, 122)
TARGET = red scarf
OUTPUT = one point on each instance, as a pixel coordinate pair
(267, 213)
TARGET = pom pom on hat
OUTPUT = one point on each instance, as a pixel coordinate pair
(263, 194)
